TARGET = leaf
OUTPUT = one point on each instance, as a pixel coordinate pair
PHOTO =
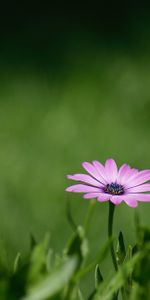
(98, 280)
(17, 262)
(141, 275)
(140, 293)
(53, 283)
(17, 282)
(143, 236)
(49, 259)
(121, 251)
(78, 245)
(74, 294)
(38, 261)
(135, 249)
(33, 242)
(142, 270)
(98, 277)
(128, 254)
(99, 258)
(91, 297)
(108, 288)
(79, 294)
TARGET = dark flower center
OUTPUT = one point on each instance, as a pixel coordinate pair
(114, 189)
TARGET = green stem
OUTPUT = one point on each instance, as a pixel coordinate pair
(110, 231)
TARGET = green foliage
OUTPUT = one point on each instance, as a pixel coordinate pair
(45, 275)
(98, 277)
(121, 251)
(52, 284)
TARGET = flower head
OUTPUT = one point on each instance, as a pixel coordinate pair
(108, 183)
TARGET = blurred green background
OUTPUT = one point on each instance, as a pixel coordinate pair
(74, 87)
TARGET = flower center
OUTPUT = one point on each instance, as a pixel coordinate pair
(114, 189)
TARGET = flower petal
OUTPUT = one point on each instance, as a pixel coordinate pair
(139, 178)
(132, 173)
(125, 173)
(85, 178)
(91, 195)
(92, 170)
(101, 170)
(111, 170)
(82, 188)
(136, 196)
(132, 203)
(138, 189)
(103, 197)
(142, 197)
(116, 200)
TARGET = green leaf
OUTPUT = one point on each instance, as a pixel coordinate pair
(143, 236)
(135, 249)
(140, 293)
(121, 251)
(98, 277)
(17, 282)
(74, 294)
(128, 254)
(38, 261)
(78, 245)
(17, 262)
(33, 242)
(108, 288)
(98, 280)
(99, 258)
(141, 272)
(53, 283)
(49, 259)
(79, 295)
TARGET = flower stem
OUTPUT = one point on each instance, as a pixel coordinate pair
(110, 231)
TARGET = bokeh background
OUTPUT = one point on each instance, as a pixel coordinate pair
(74, 86)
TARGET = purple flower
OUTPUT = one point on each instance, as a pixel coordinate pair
(108, 183)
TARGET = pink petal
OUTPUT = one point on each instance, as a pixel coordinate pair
(136, 196)
(91, 195)
(103, 197)
(133, 173)
(111, 170)
(81, 188)
(132, 203)
(123, 170)
(139, 178)
(116, 200)
(92, 170)
(85, 178)
(143, 197)
(125, 173)
(101, 170)
(139, 188)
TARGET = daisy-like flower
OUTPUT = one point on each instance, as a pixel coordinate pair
(108, 183)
